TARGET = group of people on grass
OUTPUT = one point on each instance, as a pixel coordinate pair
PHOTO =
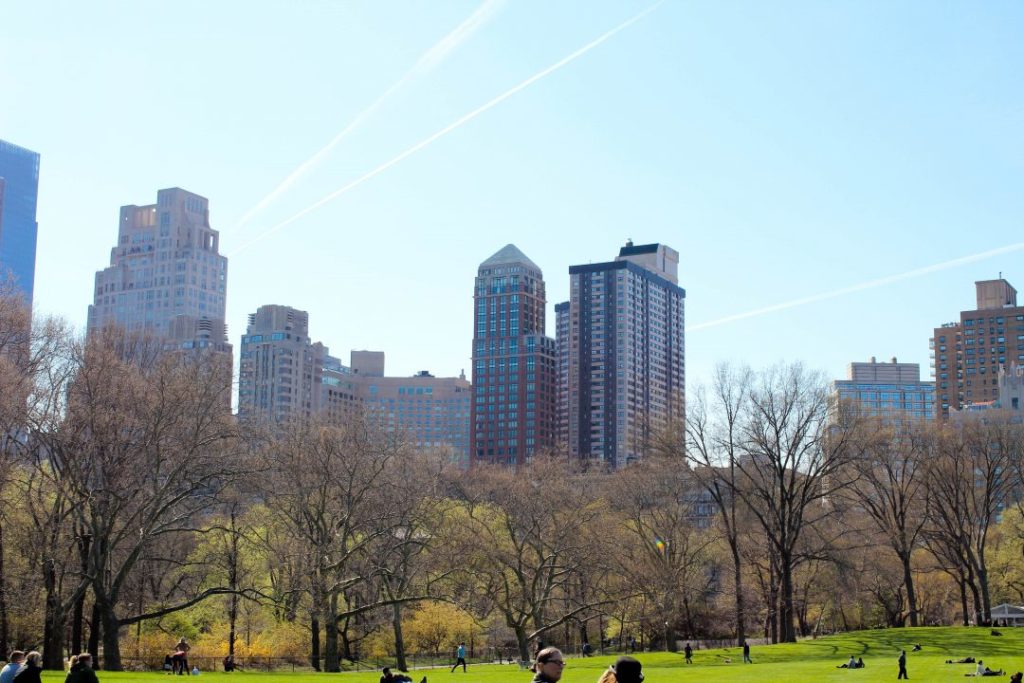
(177, 661)
(28, 668)
(24, 667)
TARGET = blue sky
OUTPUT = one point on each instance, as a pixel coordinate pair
(785, 149)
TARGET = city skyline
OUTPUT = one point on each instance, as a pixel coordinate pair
(785, 155)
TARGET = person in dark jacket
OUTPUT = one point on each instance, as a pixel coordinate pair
(549, 666)
(81, 670)
(30, 673)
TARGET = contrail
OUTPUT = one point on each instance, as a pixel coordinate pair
(452, 126)
(870, 284)
(430, 59)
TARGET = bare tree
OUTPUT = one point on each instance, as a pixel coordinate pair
(330, 485)
(144, 449)
(970, 482)
(665, 556)
(793, 460)
(523, 534)
(713, 448)
(890, 461)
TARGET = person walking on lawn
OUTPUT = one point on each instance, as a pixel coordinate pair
(461, 658)
(903, 665)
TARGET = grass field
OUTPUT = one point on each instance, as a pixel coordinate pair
(809, 661)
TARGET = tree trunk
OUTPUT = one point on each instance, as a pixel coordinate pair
(111, 639)
(53, 621)
(78, 614)
(963, 602)
(233, 579)
(908, 581)
(332, 664)
(4, 628)
(523, 642)
(346, 643)
(976, 598)
(95, 631)
(396, 622)
(986, 602)
(741, 604)
(314, 645)
(788, 632)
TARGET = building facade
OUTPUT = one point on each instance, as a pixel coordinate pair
(284, 375)
(166, 276)
(280, 368)
(19, 192)
(891, 390)
(626, 354)
(514, 362)
(562, 379)
(432, 412)
(968, 353)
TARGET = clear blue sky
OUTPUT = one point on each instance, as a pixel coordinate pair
(785, 149)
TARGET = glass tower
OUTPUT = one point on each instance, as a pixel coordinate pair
(19, 188)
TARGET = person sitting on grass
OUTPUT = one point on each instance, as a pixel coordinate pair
(860, 662)
(852, 664)
(983, 670)
(1017, 677)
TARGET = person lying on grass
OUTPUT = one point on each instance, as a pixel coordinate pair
(983, 670)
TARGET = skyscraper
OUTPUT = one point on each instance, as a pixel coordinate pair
(514, 371)
(166, 275)
(968, 353)
(562, 379)
(19, 189)
(626, 373)
(280, 369)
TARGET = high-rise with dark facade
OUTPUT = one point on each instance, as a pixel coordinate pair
(19, 188)
(626, 360)
(514, 362)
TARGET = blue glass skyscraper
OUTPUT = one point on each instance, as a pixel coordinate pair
(19, 188)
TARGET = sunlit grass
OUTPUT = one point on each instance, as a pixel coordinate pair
(813, 661)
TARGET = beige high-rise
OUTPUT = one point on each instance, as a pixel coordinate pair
(166, 276)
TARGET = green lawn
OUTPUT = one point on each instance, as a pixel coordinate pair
(809, 661)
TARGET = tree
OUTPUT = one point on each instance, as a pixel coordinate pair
(890, 462)
(523, 534)
(970, 481)
(712, 446)
(792, 461)
(329, 484)
(664, 555)
(145, 448)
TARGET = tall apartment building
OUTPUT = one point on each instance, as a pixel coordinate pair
(19, 190)
(887, 389)
(280, 367)
(626, 353)
(166, 275)
(968, 353)
(514, 362)
(562, 379)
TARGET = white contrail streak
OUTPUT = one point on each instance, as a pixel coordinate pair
(452, 126)
(870, 284)
(428, 61)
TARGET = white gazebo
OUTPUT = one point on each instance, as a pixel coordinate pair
(1008, 614)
